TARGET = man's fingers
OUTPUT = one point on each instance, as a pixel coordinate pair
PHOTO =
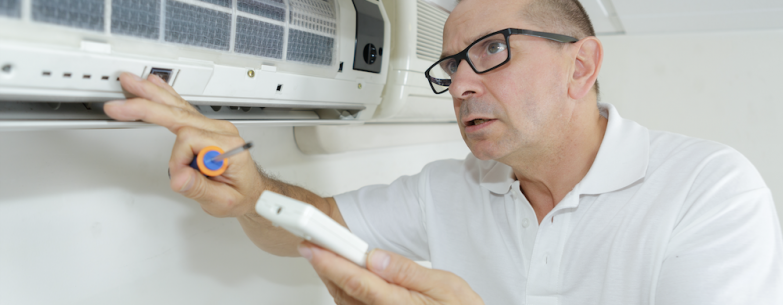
(162, 84)
(399, 270)
(185, 147)
(340, 297)
(350, 278)
(219, 196)
(192, 184)
(149, 90)
(406, 273)
(171, 117)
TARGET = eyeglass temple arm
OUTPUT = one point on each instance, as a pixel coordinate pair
(550, 36)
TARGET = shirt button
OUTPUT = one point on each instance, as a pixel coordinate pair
(525, 223)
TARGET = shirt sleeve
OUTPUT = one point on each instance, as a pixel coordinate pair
(389, 217)
(726, 247)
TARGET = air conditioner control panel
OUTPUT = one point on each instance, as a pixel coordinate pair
(368, 55)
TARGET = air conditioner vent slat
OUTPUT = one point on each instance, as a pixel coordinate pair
(429, 39)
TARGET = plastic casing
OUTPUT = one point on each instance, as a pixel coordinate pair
(202, 76)
(308, 222)
(407, 97)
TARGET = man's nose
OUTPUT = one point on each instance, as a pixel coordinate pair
(464, 82)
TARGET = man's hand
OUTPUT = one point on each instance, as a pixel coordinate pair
(388, 279)
(231, 194)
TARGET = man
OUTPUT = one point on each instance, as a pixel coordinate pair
(560, 202)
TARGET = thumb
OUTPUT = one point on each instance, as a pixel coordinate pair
(189, 182)
(192, 184)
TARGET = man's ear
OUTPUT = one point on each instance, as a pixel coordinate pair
(587, 63)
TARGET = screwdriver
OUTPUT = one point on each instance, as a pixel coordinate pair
(211, 160)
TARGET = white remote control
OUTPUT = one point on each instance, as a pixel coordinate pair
(307, 222)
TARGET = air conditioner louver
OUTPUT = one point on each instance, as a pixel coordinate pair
(429, 33)
(407, 96)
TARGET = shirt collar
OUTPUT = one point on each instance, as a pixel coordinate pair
(621, 159)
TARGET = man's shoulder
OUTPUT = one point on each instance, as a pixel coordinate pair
(700, 163)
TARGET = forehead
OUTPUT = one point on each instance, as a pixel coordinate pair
(472, 19)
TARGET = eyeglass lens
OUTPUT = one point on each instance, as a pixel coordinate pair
(484, 55)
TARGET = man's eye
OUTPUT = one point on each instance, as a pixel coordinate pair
(450, 66)
(453, 67)
(495, 47)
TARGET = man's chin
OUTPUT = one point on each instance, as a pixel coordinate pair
(483, 151)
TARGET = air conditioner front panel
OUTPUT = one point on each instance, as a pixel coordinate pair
(260, 53)
(234, 82)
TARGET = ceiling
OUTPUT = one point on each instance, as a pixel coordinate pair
(670, 16)
(673, 16)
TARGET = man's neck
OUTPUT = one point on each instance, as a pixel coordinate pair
(546, 177)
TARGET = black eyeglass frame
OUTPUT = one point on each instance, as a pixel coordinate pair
(506, 33)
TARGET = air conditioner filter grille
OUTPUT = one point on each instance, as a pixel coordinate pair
(197, 26)
(272, 9)
(289, 30)
(84, 14)
(301, 44)
(259, 38)
(225, 3)
(11, 8)
(140, 18)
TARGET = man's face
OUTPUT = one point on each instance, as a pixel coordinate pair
(523, 103)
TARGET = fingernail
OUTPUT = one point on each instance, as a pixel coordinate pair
(188, 184)
(379, 260)
(135, 77)
(305, 252)
(115, 102)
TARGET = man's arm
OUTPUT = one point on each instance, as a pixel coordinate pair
(276, 240)
(726, 246)
(232, 194)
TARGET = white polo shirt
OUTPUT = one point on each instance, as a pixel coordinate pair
(660, 218)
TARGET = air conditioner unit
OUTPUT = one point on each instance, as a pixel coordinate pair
(288, 62)
(417, 38)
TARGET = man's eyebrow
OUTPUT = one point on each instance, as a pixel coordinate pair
(471, 41)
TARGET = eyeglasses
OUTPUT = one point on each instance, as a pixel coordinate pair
(483, 55)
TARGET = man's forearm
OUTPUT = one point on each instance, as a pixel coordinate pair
(276, 240)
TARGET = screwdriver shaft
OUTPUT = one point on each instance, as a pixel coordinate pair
(232, 152)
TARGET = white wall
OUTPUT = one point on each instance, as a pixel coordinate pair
(87, 217)
(726, 87)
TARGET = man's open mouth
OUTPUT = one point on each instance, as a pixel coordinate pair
(478, 122)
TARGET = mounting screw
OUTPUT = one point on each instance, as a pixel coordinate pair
(360, 86)
(251, 73)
